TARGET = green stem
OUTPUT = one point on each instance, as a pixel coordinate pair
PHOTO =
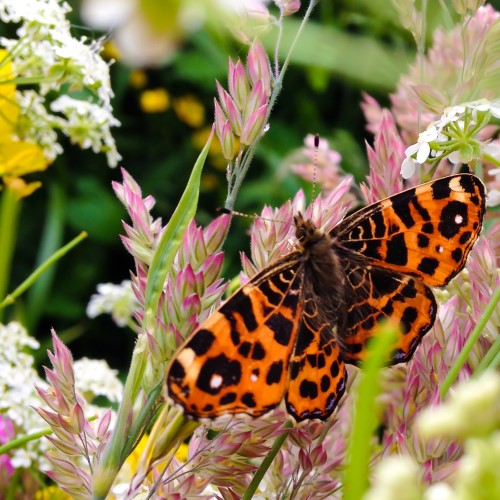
(491, 360)
(232, 193)
(266, 463)
(464, 353)
(11, 297)
(52, 238)
(138, 427)
(9, 215)
(113, 456)
(365, 417)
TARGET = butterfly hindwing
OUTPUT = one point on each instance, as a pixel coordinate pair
(237, 360)
(374, 294)
(426, 231)
(317, 372)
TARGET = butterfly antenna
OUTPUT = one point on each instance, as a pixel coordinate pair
(315, 165)
(222, 210)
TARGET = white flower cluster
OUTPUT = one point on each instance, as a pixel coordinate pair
(17, 392)
(117, 300)
(432, 141)
(94, 377)
(47, 54)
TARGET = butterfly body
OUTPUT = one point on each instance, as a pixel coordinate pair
(288, 333)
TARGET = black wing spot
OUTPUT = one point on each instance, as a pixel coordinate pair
(228, 398)
(201, 342)
(453, 217)
(441, 190)
(397, 252)
(235, 337)
(428, 265)
(311, 358)
(457, 254)
(294, 370)
(379, 223)
(248, 400)
(221, 366)
(410, 314)
(244, 349)
(321, 360)
(177, 371)
(325, 383)
(402, 208)
(282, 328)
(422, 240)
(428, 228)
(258, 351)
(465, 237)
(334, 369)
(409, 291)
(274, 373)
(308, 389)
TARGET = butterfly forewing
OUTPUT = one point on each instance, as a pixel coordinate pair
(426, 231)
(237, 360)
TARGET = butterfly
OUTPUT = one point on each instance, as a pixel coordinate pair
(289, 332)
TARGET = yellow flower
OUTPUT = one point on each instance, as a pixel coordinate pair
(111, 51)
(9, 110)
(190, 110)
(19, 158)
(154, 100)
(51, 493)
(138, 78)
(20, 186)
(182, 453)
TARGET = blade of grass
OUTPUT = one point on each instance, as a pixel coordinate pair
(464, 353)
(11, 297)
(365, 418)
(172, 237)
(266, 463)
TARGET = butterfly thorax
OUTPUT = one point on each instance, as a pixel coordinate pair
(323, 273)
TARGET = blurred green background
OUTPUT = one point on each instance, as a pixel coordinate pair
(348, 48)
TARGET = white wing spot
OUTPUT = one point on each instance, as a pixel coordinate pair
(458, 219)
(440, 249)
(253, 378)
(215, 381)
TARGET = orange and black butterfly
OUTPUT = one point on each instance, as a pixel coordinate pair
(289, 332)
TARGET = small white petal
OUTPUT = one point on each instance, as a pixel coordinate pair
(423, 153)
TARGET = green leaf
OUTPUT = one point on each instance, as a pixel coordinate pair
(172, 237)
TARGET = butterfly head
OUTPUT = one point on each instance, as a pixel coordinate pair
(306, 231)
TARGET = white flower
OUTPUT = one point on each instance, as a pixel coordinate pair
(143, 42)
(394, 475)
(47, 54)
(88, 125)
(17, 392)
(422, 148)
(119, 300)
(472, 409)
(94, 377)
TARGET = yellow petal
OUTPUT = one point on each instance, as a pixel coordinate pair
(22, 188)
(9, 110)
(19, 158)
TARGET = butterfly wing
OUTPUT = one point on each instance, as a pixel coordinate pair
(237, 360)
(374, 294)
(426, 231)
(317, 377)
